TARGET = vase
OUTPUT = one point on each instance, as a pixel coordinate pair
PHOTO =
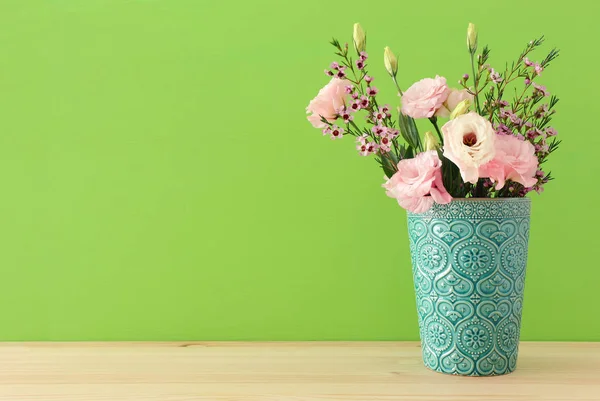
(469, 259)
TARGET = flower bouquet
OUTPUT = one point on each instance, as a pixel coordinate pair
(464, 185)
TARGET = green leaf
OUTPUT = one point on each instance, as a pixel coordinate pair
(451, 177)
(409, 131)
(388, 166)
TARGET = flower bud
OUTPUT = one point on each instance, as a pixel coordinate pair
(360, 40)
(430, 141)
(472, 38)
(390, 61)
(460, 109)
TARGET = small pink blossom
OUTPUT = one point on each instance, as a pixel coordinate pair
(345, 114)
(540, 89)
(349, 89)
(372, 91)
(379, 130)
(514, 160)
(505, 113)
(327, 102)
(386, 110)
(538, 69)
(551, 131)
(392, 133)
(516, 120)
(541, 111)
(369, 79)
(333, 131)
(502, 129)
(534, 133)
(364, 56)
(527, 62)
(364, 147)
(425, 97)
(495, 76)
(364, 102)
(384, 144)
(379, 115)
(418, 183)
(542, 148)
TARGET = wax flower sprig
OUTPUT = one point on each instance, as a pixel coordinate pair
(495, 150)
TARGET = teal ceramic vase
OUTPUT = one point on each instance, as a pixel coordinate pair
(469, 259)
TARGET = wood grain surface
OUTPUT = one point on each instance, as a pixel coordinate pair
(281, 371)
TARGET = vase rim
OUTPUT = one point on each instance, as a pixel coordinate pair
(491, 199)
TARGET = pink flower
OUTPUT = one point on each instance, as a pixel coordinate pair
(425, 97)
(418, 183)
(469, 143)
(334, 131)
(364, 102)
(541, 89)
(372, 91)
(455, 96)
(379, 130)
(344, 113)
(514, 160)
(327, 102)
(364, 147)
(495, 76)
(384, 144)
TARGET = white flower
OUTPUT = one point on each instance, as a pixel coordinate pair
(359, 38)
(472, 38)
(430, 141)
(390, 61)
(469, 143)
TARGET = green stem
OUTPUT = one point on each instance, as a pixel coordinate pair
(476, 83)
(355, 126)
(437, 129)
(397, 86)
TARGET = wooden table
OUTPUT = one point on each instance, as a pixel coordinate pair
(300, 371)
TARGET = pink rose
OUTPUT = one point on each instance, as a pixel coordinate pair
(327, 103)
(455, 96)
(418, 183)
(425, 97)
(469, 143)
(515, 160)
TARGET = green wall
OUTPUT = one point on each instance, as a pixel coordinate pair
(159, 180)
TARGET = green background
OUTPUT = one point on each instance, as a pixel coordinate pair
(160, 181)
